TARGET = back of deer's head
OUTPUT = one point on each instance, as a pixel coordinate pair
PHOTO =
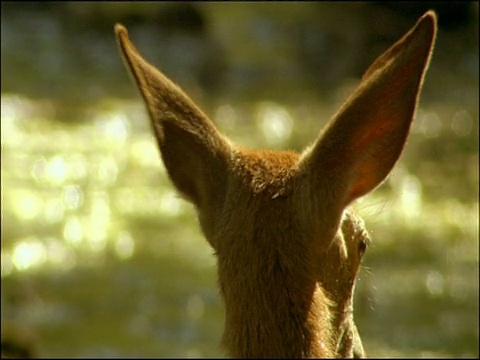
(288, 249)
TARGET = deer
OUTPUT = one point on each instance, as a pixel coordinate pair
(287, 243)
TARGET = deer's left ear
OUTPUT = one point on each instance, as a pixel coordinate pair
(363, 141)
(195, 154)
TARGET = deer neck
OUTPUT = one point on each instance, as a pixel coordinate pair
(274, 314)
(267, 272)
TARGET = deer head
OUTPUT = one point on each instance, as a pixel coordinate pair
(288, 248)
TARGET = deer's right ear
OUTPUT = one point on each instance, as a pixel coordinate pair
(363, 141)
(195, 154)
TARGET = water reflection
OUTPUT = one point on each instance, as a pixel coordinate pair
(435, 283)
(62, 195)
(430, 124)
(462, 123)
(113, 127)
(28, 253)
(73, 231)
(275, 123)
(54, 211)
(144, 151)
(72, 196)
(26, 204)
(56, 171)
(79, 202)
(124, 245)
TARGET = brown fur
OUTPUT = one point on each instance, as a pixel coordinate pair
(288, 248)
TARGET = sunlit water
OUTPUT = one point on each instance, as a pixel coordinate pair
(92, 200)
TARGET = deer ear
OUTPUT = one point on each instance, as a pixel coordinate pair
(365, 138)
(195, 154)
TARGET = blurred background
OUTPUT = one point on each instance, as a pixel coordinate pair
(99, 256)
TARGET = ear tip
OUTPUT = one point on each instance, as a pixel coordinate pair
(425, 30)
(429, 19)
(430, 15)
(121, 31)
